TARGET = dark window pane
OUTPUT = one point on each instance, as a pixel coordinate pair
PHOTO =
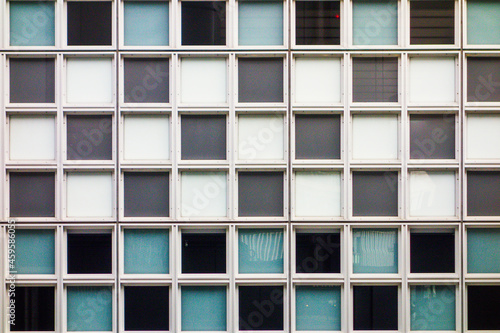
(89, 137)
(375, 307)
(318, 252)
(146, 80)
(432, 136)
(146, 194)
(375, 193)
(260, 80)
(89, 253)
(432, 22)
(375, 79)
(203, 253)
(203, 137)
(432, 252)
(317, 137)
(260, 193)
(483, 193)
(146, 308)
(89, 23)
(483, 79)
(483, 307)
(260, 308)
(203, 23)
(32, 80)
(34, 309)
(317, 22)
(32, 194)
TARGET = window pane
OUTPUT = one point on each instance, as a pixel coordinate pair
(375, 308)
(89, 253)
(32, 194)
(146, 308)
(483, 26)
(89, 308)
(375, 79)
(260, 251)
(375, 23)
(203, 22)
(483, 193)
(146, 80)
(260, 80)
(318, 252)
(146, 251)
(375, 251)
(35, 309)
(32, 23)
(146, 23)
(203, 137)
(89, 194)
(203, 194)
(260, 137)
(317, 80)
(250, 300)
(146, 194)
(89, 80)
(432, 22)
(203, 308)
(317, 22)
(23, 130)
(35, 251)
(432, 252)
(483, 250)
(375, 193)
(89, 23)
(318, 308)
(260, 193)
(32, 80)
(432, 193)
(432, 80)
(483, 130)
(203, 252)
(483, 77)
(260, 23)
(89, 137)
(317, 136)
(432, 308)
(203, 80)
(146, 137)
(483, 308)
(317, 193)
(375, 137)
(432, 136)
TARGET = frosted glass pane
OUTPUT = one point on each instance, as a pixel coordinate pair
(375, 22)
(146, 251)
(90, 309)
(483, 22)
(146, 137)
(32, 137)
(432, 308)
(260, 251)
(260, 137)
(375, 251)
(483, 136)
(35, 251)
(317, 80)
(89, 194)
(432, 80)
(203, 194)
(146, 23)
(89, 80)
(32, 23)
(432, 193)
(318, 308)
(317, 193)
(203, 80)
(375, 137)
(203, 308)
(483, 250)
(260, 23)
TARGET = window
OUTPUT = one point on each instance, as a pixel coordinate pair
(483, 75)
(318, 308)
(146, 80)
(375, 251)
(203, 252)
(250, 315)
(89, 23)
(483, 26)
(203, 194)
(203, 80)
(317, 136)
(375, 308)
(317, 80)
(35, 308)
(32, 194)
(317, 252)
(89, 253)
(89, 137)
(146, 194)
(260, 80)
(432, 136)
(260, 193)
(483, 250)
(317, 22)
(260, 23)
(375, 79)
(432, 251)
(317, 193)
(260, 251)
(482, 131)
(432, 193)
(203, 22)
(483, 307)
(35, 251)
(89, 80)
(432, 22)
(89, 308)
(375, 193)
(432, 80)
(32, 80)
(146, 308)
(203, 137)
(375, 23)
(424, 300)
(203, 308)
(146, 137)
(22, 131)
(261, 137)
(89, 194)
(483, 193)
(23, 17)
(375, 137)
(146, 251)
(146, 23)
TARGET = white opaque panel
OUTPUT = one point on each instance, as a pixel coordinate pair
(375, 137)
(317, 193)
(317, 80)
(89, 80)
(32, 137)
(89, 194)
(432, 80)
(146, 137)
(432, 193)
(203, 80)
(260, 137)
(203, 194)
(483, 136)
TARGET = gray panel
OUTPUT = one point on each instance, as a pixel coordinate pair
(483, 79)
(32, 80)
(432, 22)
(89, 137)
(146, 80)
(375, 193)
(483, 193)
(32, 194)
(146, 194)
(432, 136)
(375, 79)
(203, 22)
(260, 80)
(317, 136)
(260, 194)
(203, 137)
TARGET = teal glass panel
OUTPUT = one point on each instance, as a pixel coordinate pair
(318, 308)
(432, 308)
(32, 23)
(375, 22)
(260, 23)
(375, 251)
(146, 23)
(260, 251)
(483, 22)
(146, 251)
(35, 251)
(203, 308)
(89, 308)
(483, 250)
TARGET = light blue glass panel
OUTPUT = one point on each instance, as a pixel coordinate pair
(89, 308)
(483, 250)
(146, 23)
(318, 308)
(483, 22)
(146, 251)
(35, 251)
(375, 251)
(432, 308)
(32, 23)
(260, 251)
(203, 308)
(260, 23)
(375, 22)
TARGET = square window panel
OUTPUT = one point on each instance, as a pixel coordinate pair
(483, 250)
(317, 252)
(375, 251)
(203, 308)
(32, 23)
(32, 137)
(318, 80)
(203, 194)
(260, 193)
(375, 193)
(318, 308)
(203, 22)
(375, 308)
(432, 136)
(260, 137)
(32, 80)
(203, 137)
(483, 307)
(89, 308)
(89, 23)
(375, 137)
(317, 22)
(146, 308)
(146, 194)
(203, 252)
(375, 79)
(203, 80)
(432, 80)
(483, 193)
(146, 80)
(89, 253)
(146, 23)
(483, 136)
(317, 136)
(260, 251)
(89, 194)
(250, 300)
(35, 251)
(260, 80)
(375, 22)
(32, 194)
(89, 80)
(424, 304)
(317, 193)
(432, 193)
(146, 137)
(483, 79)
(146, 251)
(89, 137)
(260, 23)
(34, 309)
(432, 22)
(432, 252)
(483, 25)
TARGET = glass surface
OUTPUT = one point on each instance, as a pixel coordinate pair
(375, 137)
(32, 137)
(89, 253)
(317, 252)
(260, 194)
(432, 136)
(483, 132)
(34, 309)
(375, 79)
(483, 308)
(433, 80)
(317, 22)
(146, 137)
(203, 253)
(146, 194)
(32, 80)
(432, 22)
(375, 251)
(261, 137)
(483, 250)
(432, 308)
(146, 251)
(32, 194)
(260, 251)
(146, 308)
(89, 308)
(483, 193)
(375, 308)
(89, 137)
(89, 194)
(204, 194)
(432, 193)
(260, 23)
(317, 137)
(318, 81)
(375, 193)
(375, 22)
(146, 80)
(318, 308)
(89, 80)
(203, 137)
(35, 251)
(203, 80)
(203, 308)
(483, 24)
(432, 252)
(146, 23)
(483, 79)
(251, 301)
(260, 80)
(203, 22)
(317, 193)
(89, 23)
(32, 23)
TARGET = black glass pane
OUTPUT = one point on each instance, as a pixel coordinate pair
(89, 23)
(483, 193)
(89, 253)
(483, 307)
(318, 253)
(32, 80)
(317, 22)
(375, 307)
(432, 22)
(146, 80)
(375, 79)
(260, 80)
(146, 194)
(203, 137)
(146, 308)
(203, 253)
(375, 193)
(89, 137)
(432, 252)
(34, 309)
(483, 79)
(203, 23)
(260, 308)
(317, 137)
(260, 194)
(32, 194)
(432, 136)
